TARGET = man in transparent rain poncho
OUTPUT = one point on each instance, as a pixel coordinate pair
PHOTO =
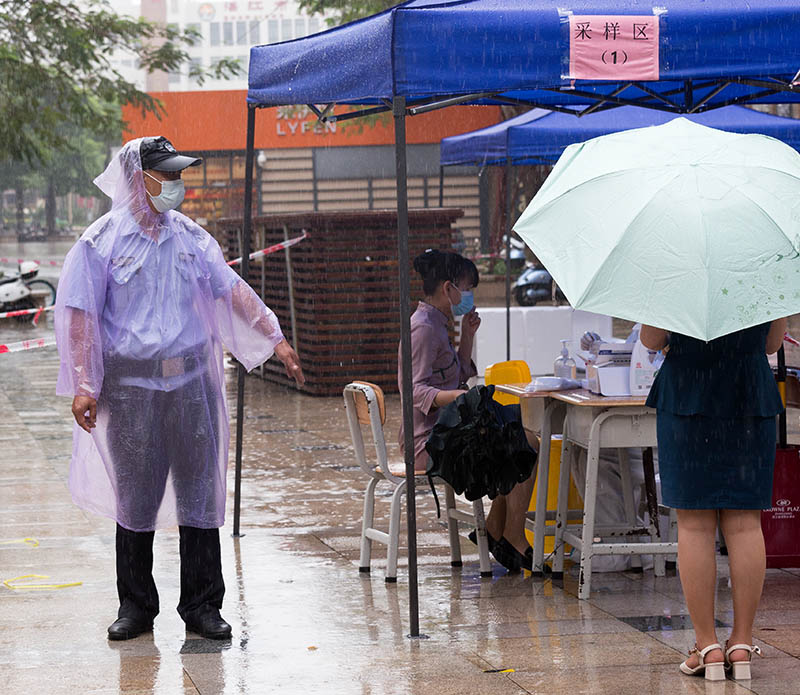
(145, 303)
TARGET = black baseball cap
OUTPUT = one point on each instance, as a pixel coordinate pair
(159, 154)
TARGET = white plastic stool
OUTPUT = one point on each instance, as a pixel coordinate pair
(364, 404)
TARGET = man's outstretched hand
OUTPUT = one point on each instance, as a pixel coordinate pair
(291, 361)
(84, 409)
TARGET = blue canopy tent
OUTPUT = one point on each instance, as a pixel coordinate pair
(427, 54)
(540, 136)
(711, 53)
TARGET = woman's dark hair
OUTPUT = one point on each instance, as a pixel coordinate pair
(437, 266)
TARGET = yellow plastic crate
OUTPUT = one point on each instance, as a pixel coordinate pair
(575, 501)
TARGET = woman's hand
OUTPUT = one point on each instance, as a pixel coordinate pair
(444, 398)
(470, 323)
(777, 329)
(653, 338)
(291, 361)
(84, 410)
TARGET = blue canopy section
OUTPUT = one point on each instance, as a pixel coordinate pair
(539, 136)
(712, 52)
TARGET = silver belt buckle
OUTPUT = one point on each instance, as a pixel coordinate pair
(172, 367)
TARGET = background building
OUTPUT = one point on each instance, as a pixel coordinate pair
(303, 165)
(228, 29)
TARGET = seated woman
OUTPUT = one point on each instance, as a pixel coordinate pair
(439, 373)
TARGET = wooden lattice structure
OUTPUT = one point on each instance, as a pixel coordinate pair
(345, 282)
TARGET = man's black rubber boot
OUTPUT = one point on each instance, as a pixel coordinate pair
(210, 626)
(128, 628)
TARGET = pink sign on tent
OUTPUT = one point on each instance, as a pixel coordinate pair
(613, 47)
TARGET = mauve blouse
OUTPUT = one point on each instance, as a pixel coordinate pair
(435, 366)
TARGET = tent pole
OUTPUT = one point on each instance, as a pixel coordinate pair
(509, 202)
(441, 186)
(245, 272)
(399, 113)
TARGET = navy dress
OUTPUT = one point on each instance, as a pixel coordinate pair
(716, 404)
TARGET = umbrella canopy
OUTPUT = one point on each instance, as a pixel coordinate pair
(477, 449)
(540, 136)
(680, 226)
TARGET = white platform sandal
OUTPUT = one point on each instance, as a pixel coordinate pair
(740, 669)
(714, 671)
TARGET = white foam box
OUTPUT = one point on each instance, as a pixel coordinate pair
(536, 334)
(490, 340)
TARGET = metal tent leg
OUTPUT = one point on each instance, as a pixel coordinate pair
(244, 269)
(509, 201)
(399, 114)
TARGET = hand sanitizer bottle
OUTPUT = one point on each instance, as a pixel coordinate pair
(564, 366)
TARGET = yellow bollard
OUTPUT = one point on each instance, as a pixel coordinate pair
(575, 501)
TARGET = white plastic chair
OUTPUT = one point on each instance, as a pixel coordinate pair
(364, 403)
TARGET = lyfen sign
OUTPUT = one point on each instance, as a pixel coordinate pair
(613, 47)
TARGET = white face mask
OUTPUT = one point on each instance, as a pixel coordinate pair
(171, 196)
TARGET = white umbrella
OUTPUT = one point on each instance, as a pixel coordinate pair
(681, 226)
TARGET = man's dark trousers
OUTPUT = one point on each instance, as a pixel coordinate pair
(202, 586)
(146, 450)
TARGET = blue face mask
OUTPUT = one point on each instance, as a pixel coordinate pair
(465, 305)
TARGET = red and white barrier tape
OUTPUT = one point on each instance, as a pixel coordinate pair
(256, 254)
(27, 345)
(47, 342)
(27, 312)
(272, 249)
(17, 261)
(792, 341)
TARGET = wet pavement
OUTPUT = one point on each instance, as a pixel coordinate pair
(304, 619)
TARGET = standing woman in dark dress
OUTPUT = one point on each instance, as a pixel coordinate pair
(716, 404)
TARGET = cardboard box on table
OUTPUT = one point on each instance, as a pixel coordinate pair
(609, 375)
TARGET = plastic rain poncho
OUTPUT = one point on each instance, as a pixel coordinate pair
(145, 304)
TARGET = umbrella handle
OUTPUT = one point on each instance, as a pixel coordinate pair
(781, 379)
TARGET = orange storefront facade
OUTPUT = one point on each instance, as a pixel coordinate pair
(305, 165)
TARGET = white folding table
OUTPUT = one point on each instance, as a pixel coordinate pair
(592, 423)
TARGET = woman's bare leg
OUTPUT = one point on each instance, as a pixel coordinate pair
(507, 515)
(496, 519)
(748, 562)
(517, 503)
(697, 535)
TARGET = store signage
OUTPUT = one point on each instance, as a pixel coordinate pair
(784, 509)
(206, 11)
(299, 120)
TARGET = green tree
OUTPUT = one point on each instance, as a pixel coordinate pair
(21, 176)
(56, 72)
(342, 11)
(72, 170)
